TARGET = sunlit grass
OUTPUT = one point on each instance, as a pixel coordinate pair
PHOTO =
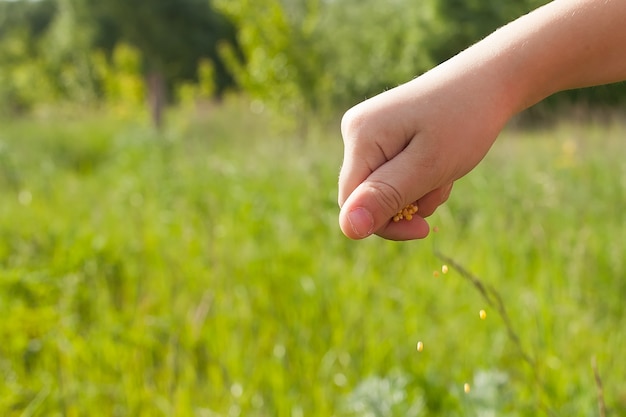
(201, 271)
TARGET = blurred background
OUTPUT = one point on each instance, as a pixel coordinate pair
(306, 58)
(168, 234)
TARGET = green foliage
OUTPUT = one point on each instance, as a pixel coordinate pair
(23, 80)
(24, 74)
(189, 94)
(315, 56)
(67, 51)
(465, 22)
(281, 53)
(302, 58)
(34, 16)
(123, 87)
(370, 46)
(55, 50)
(319, 56)
(173, 36)
(195, 275)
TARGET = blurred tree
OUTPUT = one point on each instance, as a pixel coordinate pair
(467, 21)
(371, 46)
(173, 36)
(67, 48)
(301, 57)
(308, 57)
(121, 79)
(24, 73)
(34, 16)
(188, 93)
(279, 60)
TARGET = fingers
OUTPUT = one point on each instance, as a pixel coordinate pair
(405, 178)
(373, 134)
(429, 203)
(417, 228)
(389, 163)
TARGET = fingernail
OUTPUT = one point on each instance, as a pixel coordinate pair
(361, 221)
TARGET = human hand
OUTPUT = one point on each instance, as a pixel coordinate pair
(411, 143)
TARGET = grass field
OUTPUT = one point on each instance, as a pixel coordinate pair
(201, 272)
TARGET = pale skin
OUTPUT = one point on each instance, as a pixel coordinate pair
(411, 143)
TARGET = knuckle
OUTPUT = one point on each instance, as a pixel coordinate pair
(353, 123)
(386, 196)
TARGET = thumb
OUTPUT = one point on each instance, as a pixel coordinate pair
(402, 180)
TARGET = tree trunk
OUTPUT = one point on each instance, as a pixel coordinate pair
(156, 98)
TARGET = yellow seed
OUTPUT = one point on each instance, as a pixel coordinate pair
(444, 269)
(482, 314)
(466, 388)
(420, 346)
(406, 213)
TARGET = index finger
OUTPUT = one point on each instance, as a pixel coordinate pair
(370, 140)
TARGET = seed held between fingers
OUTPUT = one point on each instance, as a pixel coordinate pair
(406, 213)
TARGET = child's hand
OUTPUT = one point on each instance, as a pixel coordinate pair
(411, 143)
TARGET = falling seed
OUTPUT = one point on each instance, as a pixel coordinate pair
(444, 269)
(435, 229)
(420, 346)
(466, 388)
(435, 274)
(482, 314)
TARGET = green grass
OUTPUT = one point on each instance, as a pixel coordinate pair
(201, 272)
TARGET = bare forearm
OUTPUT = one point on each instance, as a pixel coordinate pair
(564, 45)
